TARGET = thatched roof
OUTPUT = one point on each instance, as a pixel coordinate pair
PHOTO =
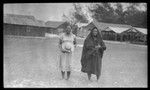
(22, 20)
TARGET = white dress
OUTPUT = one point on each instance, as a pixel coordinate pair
(66, 58)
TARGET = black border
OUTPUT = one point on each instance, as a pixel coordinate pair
(59, 1)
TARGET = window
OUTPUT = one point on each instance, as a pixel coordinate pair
(28, 29)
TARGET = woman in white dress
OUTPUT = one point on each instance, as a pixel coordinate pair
(67, 43)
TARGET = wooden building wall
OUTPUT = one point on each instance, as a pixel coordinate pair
(26, 30)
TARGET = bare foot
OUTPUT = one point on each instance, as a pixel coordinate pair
(97, 80)
(67, 79)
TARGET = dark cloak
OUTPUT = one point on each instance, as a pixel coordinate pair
(91, 60)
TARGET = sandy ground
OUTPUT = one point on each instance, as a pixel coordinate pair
(33, 63)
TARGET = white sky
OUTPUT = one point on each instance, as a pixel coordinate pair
(41, 11)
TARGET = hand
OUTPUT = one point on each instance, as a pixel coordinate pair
(98, 46)
(66, 51)
(75, 45)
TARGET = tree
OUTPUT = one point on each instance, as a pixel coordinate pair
(119, 14)
(136, 17)
(144, 22)
(103, 12)
(78, 14)
(72, 22)
(75, 16)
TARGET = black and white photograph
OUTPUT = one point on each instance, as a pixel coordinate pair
(75, 45)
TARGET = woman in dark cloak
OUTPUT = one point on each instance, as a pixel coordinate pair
(92, 53)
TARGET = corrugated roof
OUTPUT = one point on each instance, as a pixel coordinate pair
(118, 29)
(103, 26)
(108, 29)
(41, 23)
(53, 24)
(22, 20)
(132, 30)
(143, 30)
(29, 20)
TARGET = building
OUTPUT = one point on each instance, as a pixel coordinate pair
(27, 25)
(109, 31)
(117, 35)
(136, 35)
(108, 34)
(143, 34)
(57, 26)
(23, 25)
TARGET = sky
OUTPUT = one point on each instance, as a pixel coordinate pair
(42, 11)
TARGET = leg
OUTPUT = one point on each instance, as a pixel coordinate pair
(63, 74)
(89, 76)
(68, 64)
(68, 74)
(97, 77)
